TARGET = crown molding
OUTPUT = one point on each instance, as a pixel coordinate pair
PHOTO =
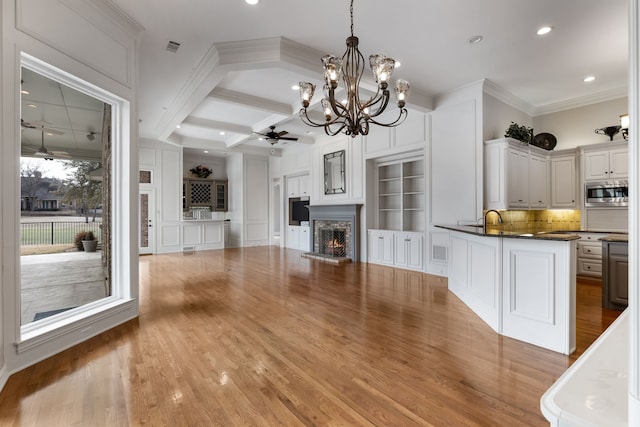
(490, 88)
(621, 92)
(250, 101)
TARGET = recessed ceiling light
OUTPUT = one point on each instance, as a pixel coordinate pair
(177, 126)
(398, 64)
(544, 30)
(252, 2)
(221, 133)
(475, 39)
(24, 92)
(206, 152)
(589, 79)
(32, 105)
(295, 87)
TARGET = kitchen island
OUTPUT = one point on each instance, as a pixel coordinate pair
(522, 284)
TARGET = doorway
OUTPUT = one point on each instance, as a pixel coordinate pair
(146, 239)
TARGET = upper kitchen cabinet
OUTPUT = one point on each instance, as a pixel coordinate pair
(563, 180)
(516, 175)
(606, 161)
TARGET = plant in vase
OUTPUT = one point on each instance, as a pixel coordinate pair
(521, 133)
(201, 171)
(86, 241)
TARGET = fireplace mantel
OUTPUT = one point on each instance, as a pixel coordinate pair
(347, 213)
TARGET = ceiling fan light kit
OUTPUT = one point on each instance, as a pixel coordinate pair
(353, 116)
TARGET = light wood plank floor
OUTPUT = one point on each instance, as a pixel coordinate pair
(264, 337)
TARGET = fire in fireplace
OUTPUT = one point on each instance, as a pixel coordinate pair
(333, 242)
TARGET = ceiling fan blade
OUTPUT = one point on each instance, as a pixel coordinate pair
(288, 138)
(282, 133)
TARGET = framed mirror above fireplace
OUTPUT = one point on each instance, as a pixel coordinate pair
(334, 173)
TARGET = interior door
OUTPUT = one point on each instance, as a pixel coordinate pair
(146, 240)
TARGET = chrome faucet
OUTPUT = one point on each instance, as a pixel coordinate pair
(488, 212)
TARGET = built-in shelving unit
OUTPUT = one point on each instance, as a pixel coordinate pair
(401, 196)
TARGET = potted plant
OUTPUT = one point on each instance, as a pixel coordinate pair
(89, 241)
(201, 171)
(521, 133)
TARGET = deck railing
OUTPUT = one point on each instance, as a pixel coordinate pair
(55, 233)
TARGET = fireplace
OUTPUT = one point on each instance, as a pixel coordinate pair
(333, 242)
(335, 231)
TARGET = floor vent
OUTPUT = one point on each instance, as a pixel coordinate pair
(172, 46)
(188, 249)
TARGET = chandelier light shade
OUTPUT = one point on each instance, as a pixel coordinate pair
(624, 125)
(352, 116)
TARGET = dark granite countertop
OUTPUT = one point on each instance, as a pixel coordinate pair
(515, 234)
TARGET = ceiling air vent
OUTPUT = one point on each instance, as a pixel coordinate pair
(172, 46)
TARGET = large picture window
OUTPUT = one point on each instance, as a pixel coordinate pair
(70, 144)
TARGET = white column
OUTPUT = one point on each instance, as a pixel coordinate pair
(634, 213)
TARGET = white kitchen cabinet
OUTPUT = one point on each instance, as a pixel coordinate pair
(298, 186)
(538, 181)
(380, 246)
(606, 164)
(516, 175)
(518, 184)
(298, 237)
(408, 250)
(563, 182)
(589, 257)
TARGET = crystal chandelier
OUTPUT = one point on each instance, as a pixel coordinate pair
(351, 115)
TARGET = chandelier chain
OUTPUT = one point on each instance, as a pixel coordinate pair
(351, 10)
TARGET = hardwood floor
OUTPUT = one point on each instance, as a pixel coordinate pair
(264, 337)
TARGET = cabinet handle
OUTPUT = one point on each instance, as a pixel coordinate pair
(588, 267)
(610, 171)
(589, 250)
(380, 237)
(573, 201)
(407, 240)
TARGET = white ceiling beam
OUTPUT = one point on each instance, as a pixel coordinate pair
(215, 125)
(250, 101)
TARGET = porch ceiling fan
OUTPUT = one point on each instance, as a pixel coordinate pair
(42, 151)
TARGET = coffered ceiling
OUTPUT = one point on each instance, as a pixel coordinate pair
(233, 71)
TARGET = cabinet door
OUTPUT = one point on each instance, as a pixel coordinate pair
(618, 280)
(596, 165)
(387, 248)
(518, 181)
(293, 237)
(618, 163)
(414, 258)
(303, 239)
(221, 196)
(303, 185)
(373, 247)
(381, 247)
(538, 179)
(563, 182)
(293, 186)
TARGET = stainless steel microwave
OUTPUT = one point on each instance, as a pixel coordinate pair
(606, 193)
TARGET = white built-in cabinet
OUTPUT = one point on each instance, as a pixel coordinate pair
(606, 164)
(407, 250)
(298, 237)
(516, 175)
(380, 246)
(298, 186)
(401, 196)
(398, 236)
(563, 181)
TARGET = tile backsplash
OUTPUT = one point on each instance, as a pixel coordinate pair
(566, 220)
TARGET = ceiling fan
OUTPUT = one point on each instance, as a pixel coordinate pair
(43, 151)
(273, 137)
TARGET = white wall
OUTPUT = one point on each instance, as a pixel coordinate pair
(100, 53)
(217, 165)
(497, 116)
(236, 198)
(576, 126)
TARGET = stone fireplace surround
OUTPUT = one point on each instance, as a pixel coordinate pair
(340, 214)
